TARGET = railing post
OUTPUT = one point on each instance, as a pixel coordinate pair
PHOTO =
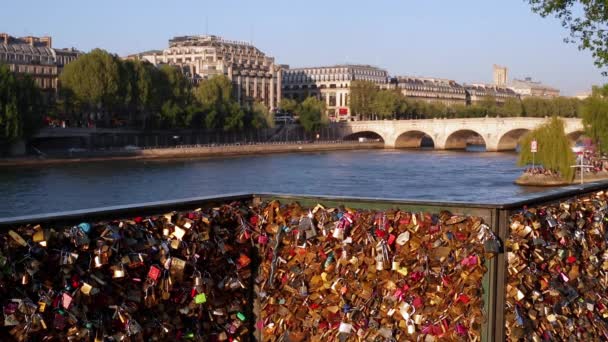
(493, 329)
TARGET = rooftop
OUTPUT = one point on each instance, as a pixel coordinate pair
(203, 39)
(528, 82)
(335, 66)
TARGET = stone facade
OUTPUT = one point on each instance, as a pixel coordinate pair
(429, 89)
(500, 74)
(477, 92)
(331, 84)
(527, 87)
(36, 57)
(254, 75)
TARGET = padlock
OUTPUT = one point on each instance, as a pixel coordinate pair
(338, 233)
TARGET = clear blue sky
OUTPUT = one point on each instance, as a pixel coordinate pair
(443, 38)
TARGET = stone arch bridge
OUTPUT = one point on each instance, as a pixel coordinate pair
(498, 134)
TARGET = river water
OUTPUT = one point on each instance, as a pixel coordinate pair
(408, 174)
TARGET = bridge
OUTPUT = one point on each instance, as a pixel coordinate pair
(498, 134)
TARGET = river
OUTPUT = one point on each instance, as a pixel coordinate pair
(409, 174)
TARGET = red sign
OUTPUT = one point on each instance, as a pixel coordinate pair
(343, 111)
(534, 146)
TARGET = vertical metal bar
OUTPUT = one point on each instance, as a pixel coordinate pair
(501, 272)
(490, 289)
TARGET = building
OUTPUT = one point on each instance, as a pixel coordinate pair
(431, 90)
(331, 84)
(36, 57)
(475, 93)
(527, 87)
(254, 75)
(500, 75)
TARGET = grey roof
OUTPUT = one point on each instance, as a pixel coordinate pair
(26, 49)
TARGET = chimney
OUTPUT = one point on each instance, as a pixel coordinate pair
(4, 38)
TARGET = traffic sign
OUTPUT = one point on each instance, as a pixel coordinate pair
(534, 146)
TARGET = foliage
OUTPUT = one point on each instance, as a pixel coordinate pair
(587, 21)
(595, 117)
(261, 117)
(362, 95)
(221, 111)
(288, 105)
(312, 115)
(20, 106)
(174, 93)
(488, 103)
(95, 81)
(554, 151)
(511, 108)
(386, 103)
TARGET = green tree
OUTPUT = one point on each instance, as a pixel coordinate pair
(288, 105)
(219, 106)
(94, 79)
(488, 103)
(554, 151)
(362, 96)
(261, 117)
(312, 115)
(386, 103)
(511, 108)
(587, 21)
(174, 96)
(20, 106)
(595, 117)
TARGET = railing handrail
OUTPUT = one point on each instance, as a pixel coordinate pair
(155, 207)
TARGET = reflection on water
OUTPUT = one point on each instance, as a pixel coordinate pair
(429, 175)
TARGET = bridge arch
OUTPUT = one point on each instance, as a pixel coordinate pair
(459, 139)
(414, 139)
(364, 134)
(510, 139)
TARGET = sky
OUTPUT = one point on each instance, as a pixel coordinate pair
(459, 40)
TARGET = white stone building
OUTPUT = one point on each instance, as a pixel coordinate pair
(254, 75)
(528, 87)
(331, 84)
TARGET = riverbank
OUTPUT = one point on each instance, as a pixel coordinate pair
(190, 152)
(544, 180)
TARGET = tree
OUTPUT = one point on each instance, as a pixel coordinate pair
(512, 107)
(386, 103)
(218, 104)
(288, 105)
(20, 106)
(595, 117)
(554, 151)
(587, 21)
(488, 103)
(175, 96)
(261, 117)
(362, 95)
(312, 115)
(94, 79)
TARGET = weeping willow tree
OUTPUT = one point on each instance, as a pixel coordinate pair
(554, 151)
